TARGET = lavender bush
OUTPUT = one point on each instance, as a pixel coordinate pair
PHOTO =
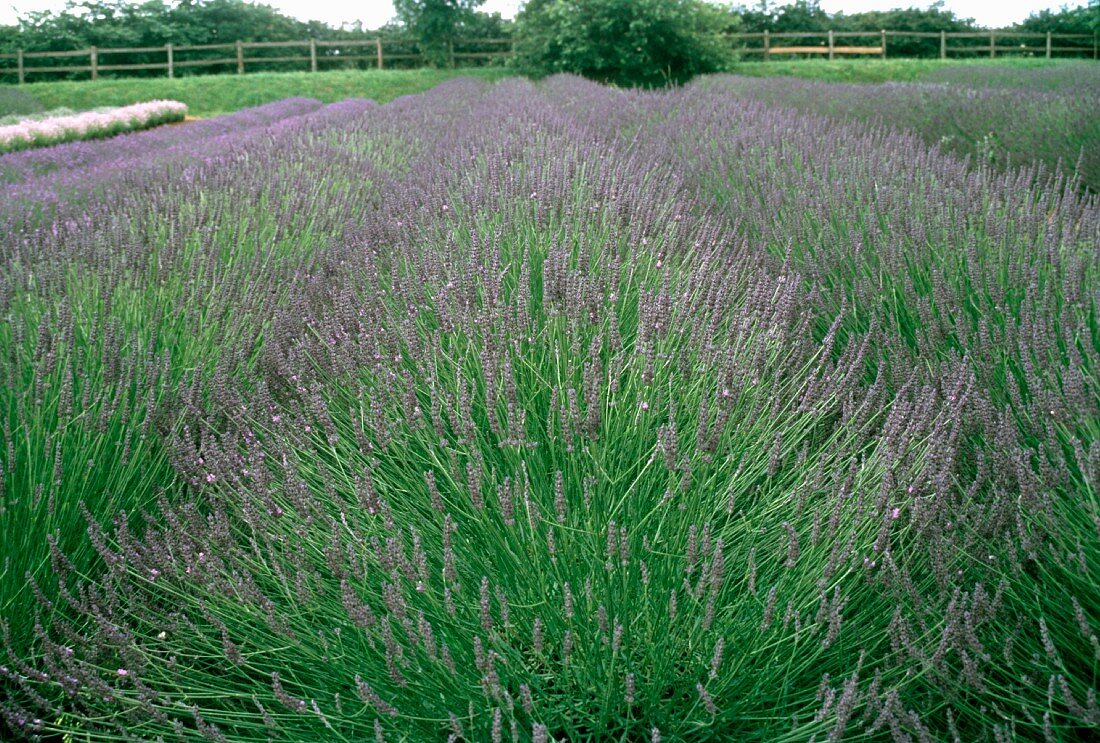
(553, 412)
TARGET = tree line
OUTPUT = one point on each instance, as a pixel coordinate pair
(154, 23)
(623, 41)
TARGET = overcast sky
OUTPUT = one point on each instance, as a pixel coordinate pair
(374, 13)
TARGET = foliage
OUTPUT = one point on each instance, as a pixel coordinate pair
(209, 95)
(119, 23)
(485, 26)
(625, 42)
(808, 15)
(1084, 19)
(436, 24)
(154, 23)
(800, 15)
(924, 20)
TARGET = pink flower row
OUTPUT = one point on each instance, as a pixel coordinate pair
(89, 124)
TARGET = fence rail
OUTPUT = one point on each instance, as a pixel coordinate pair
(329, 51)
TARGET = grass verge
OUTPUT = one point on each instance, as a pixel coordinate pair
(210, 95)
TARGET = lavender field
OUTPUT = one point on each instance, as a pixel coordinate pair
(519, 411)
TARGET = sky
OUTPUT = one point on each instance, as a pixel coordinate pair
(374, 13)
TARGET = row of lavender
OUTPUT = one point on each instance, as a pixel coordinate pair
(128, 274)
(986, 114)
(550, 412)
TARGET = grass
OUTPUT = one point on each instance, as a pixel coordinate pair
(211, 95)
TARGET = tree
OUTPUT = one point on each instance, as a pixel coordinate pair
(933, 19)
(435, 24)
(800, 15)
(626, 42)
(115, 23)
(153, 23)
(1080, 20)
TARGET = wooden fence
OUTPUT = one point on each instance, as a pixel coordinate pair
(1080, 44)
(311, 54)
(379, 52)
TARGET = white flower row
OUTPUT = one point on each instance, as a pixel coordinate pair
(37, 133)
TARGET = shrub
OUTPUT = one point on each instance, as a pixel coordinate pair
(625, 42)
(435, 24)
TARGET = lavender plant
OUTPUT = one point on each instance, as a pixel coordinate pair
(567, 413)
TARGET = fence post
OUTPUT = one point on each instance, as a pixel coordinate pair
(240, 57)
(313, 55)
(171, 61)
(93, 53)
(378, 46)
(831, 44)
(992, 44)
(767, 46)
(943, 45)
(882, 42)
(19, 64)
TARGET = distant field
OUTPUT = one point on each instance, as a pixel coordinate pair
(210, 95)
